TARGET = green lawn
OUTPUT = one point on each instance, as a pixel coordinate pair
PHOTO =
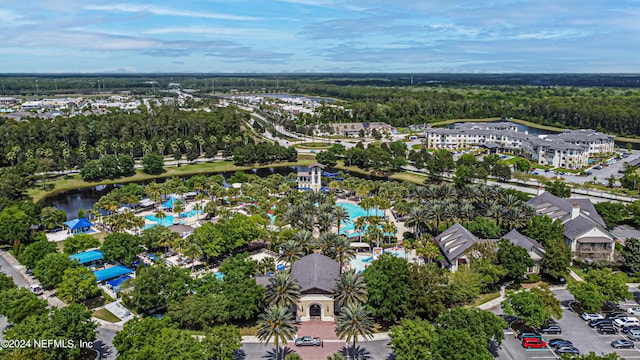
(483, 299)
(312, 145)
(106, 315)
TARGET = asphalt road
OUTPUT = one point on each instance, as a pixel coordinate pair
(378, 350)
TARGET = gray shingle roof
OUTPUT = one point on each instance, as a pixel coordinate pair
(316, 271)
(580, 225)
(454, 241)
(518, 239)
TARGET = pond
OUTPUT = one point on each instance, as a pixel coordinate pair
(72, 200)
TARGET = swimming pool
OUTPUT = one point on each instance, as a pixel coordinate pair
(362, 261)
(354, 212)
(190, 213)
(166, 221)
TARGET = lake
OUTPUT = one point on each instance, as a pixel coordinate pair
(72, 200)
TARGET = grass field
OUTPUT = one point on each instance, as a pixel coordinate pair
(106, 315)
(312, 145)
(76, 182)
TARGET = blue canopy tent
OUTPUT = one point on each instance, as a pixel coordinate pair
(87, 257)
(112, 272)
(78, 225)
(115, 283)
(169, 204)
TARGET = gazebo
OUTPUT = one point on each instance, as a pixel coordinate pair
(317, 276)
(77, 226)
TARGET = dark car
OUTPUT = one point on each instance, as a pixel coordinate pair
(528, 335)
(607, 330)
(626, 328)
(622, 344)
(616, 315)
(596, 323)
(568, 350)
(550, 329)
(558, 343)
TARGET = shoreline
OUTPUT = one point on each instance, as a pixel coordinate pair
(76, 182)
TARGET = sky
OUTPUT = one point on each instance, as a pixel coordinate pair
(320, 36)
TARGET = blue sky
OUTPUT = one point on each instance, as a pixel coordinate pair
(306, 36)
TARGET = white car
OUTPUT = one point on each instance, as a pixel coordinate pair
(626, 322)
(634, 311)
(591, 316)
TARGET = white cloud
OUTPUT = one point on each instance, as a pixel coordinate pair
(222, 31)
(163, 11)
(11, 18)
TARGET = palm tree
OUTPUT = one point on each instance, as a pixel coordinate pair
(354, 320)
(325, 220)
(341, 215)
(160, 215)
(389, 228)
(428, 250)
(359, 224)
(351, 289)
(305, 239)
(276, 323)
(326, 242)
(367, 204)
(434, 213)
(417, 219)
(193, 251)
(291, 251)
(267, 265)
(283, 290)
(342, 250)
(465, 211)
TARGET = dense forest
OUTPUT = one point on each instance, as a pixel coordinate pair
(69, 142)
(604, 109)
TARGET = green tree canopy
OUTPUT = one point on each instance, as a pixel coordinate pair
(630, 253)
(52, 218)
(18, 304)
(35, 252)
(412, 339)
(387, 281)
(80, 242)
(78, 283)
(558, 188)
(427, 291)
(557, 258)
(484, 228)
(543, 229)
(153, 164)
(468, 330)
(528, 307)
(513, 258)
(122, 248)
(50, 270)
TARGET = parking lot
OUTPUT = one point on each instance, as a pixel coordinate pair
(575, 330)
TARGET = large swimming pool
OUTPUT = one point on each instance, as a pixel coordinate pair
(166, 221)
(354, 212)
(362, 261)
(191, 213)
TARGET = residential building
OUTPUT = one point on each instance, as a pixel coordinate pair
(570, 149)
(353, 129)
(317, 276)
(453, 243)
(585, 232)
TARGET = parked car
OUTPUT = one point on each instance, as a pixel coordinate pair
(550, 329)
(308, 341)
(634, 334)
(626, 322)
(626, 328)
(634, 311)
(558, 343)
(596, 323)
(591, 316)
(36, 289)
(533, 343)
(607, 330)
(568, 350)
(598, 167)
(616, 315)
(622, 344)
(529, 335)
